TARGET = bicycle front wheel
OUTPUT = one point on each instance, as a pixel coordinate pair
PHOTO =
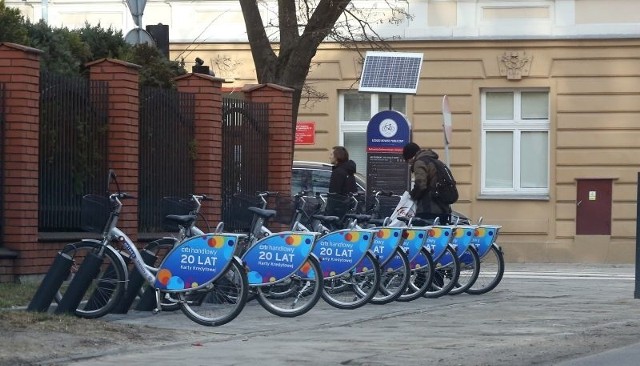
(297, 294)
(421, 276)
(469, 270)
(160, 248)
(106, 289)
(221, 301)
(491, 271)
(393, 281)
(354, 288)
(445, 277)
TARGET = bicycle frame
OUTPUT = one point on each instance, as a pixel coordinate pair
(201, 259)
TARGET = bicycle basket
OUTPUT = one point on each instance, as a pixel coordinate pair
(310, 206)
(95, 213)
(285, 209)
(175, 206)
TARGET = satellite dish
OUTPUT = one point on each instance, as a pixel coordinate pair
(139, 36)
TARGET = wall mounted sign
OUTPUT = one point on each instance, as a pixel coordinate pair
(305, 133)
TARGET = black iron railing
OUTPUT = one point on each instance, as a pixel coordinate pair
(245, 144)
(167, 151)
(73, 147)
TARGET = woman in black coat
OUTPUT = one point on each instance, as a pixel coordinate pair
(342, 182)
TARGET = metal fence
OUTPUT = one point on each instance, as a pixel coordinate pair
(1, 163)
(73, 147)
(245, 146)
(167, 151)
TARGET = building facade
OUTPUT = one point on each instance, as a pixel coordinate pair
(544, 95)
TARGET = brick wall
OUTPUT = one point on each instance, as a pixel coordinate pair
(20, 72)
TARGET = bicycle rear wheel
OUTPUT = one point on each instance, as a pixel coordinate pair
(106, 288)
(354, 288)
(445, 277)
(491, 271)
(221, 301)
(469, 270)
(393, 281)
(296, 295)
(421, 277)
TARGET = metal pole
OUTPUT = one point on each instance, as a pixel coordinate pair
(636, 293)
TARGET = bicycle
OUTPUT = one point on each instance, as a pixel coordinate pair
(351, 271)
(193, 270)
(284, 274)
(420, 260)
(492, 264)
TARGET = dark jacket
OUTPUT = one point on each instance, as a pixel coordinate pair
(341, 183)
(425, 176)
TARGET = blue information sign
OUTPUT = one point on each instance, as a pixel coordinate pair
(387, 132)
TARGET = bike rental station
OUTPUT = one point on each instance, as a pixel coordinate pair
(375, 254)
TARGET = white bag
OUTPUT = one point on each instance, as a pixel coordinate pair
(405, 208)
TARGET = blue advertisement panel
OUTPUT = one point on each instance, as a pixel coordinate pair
(385, 242)
(341, 250)
(462, 239)
(196, 262)
(414, 240)
(437, 239)
(485, 236)
(275, 257)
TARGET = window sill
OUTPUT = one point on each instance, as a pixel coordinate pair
(519, 197)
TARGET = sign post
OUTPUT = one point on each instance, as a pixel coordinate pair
(387, 133)
(447, 127)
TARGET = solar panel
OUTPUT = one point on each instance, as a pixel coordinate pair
(391, 72)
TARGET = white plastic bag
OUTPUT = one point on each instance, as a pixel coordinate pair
(405, 208)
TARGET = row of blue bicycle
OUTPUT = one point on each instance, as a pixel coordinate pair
(349, 262)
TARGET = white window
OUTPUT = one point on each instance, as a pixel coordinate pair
(356, 109)
(515, 142)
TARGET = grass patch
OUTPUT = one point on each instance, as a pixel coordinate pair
(16, 294)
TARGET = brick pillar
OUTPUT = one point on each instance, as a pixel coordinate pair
(20, 73)
(279, 99)
(123, 80)
(207, 178)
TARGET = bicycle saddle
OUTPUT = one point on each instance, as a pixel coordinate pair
(182, 220)
(265, 213)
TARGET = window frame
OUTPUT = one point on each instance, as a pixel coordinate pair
(516, 126)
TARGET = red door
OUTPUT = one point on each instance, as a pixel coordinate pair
(593, 212)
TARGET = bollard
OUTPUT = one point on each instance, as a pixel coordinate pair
(51, 282)
(135, 283)
(88, 270)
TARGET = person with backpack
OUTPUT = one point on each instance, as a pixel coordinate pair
(434, 188)
(341, 183)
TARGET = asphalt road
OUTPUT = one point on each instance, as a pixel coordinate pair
(541, 314)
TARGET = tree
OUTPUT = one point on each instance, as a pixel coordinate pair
(12, 28)
(302, 26)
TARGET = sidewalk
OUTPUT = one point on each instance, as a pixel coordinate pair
(543, 314)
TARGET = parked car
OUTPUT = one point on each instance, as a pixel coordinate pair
(314, 176)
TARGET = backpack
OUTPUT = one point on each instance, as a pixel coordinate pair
(445, 191)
